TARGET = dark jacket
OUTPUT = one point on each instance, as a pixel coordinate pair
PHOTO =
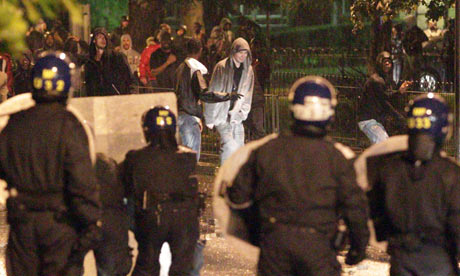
(192, 90)
(112, 190)
(44, 152)
(415, 200)
(307, 184)
(22, 81)
(109, 76)
(377, 100)
(159, 173)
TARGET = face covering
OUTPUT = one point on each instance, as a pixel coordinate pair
(421, 147)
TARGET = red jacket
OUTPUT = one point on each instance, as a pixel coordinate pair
(7, 67)
(144, 65)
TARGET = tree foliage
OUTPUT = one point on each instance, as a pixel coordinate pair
(362, 10)
(17, 15)
(107, 13)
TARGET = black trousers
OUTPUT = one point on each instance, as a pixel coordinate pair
(39, 245)
(289, 251)
(255, 123)
(113, 255)
(430, 260)
(178, 227)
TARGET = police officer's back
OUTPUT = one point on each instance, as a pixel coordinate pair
(415, 193)
(297, 184)
(158, 180)
(44, 158)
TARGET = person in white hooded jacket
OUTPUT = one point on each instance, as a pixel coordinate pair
(233, 74)
(132, 55)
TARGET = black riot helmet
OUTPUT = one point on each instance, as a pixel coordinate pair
(312, 101)
(159, 127)
(429, 124)
(51, 77)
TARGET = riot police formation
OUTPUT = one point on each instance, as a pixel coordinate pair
(53, 207)
(289, 200)
(158, 179)
(414, 193)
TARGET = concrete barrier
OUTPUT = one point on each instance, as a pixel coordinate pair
(116, 120)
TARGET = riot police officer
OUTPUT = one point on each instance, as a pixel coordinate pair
(158, 180)
(415, 191)
(290, 199)
(54, 207)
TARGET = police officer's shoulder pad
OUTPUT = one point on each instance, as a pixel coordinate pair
(346, 151)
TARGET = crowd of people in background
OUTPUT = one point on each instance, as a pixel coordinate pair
(138, 70)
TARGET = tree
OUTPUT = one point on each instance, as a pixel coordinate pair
(383, 11)
(107, 13)
(145, 17)
(16, 17)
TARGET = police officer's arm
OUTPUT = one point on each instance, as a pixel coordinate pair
(200, 87)
(81, 183)
(376, 197)
(240, 193)
(125, 176)
(353, 206)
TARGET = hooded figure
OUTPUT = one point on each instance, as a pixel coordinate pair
(226, 26)
(232, 74)
(377, 110)
(107, 72)
(22, 74)
(132, 55)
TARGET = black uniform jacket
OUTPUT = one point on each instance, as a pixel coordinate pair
(408, 200)
(192, 90)
(44, 151)
(303, 181)
(159, 172)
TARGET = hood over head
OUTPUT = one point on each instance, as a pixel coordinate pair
(126, 36)
(224, 21)
(92, 45)
(240, 44)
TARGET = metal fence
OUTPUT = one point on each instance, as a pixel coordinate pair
(346, 69)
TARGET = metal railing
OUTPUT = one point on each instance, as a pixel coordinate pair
(346, 69)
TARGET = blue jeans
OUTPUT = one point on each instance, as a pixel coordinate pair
(190, 134)
(198, 259)
(373, 130)
(231, 139)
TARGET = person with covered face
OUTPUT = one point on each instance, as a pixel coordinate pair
(376, 108)
(413, 189)
(232, 74)
(162, 62)
(106, 72)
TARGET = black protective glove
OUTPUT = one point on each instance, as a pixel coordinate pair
(235, 96)
(354, 256)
